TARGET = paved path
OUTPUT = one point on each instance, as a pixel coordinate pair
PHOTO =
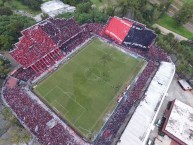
(37, 18)
(166, 31)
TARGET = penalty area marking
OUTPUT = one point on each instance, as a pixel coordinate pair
(78, 104)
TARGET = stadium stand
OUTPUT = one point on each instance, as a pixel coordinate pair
(115, 25)
(32, 46)
(50, 41)
(132, 34)
(60, 30)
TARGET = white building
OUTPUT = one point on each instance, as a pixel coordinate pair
(55, 7)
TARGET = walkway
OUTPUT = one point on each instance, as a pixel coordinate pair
(166, 31)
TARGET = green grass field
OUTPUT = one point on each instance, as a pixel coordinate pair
(85, 89)
(169, 23)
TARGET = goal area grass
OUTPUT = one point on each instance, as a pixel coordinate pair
(84, 90)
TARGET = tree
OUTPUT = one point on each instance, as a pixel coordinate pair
(110, 10)
(84, 7)
(5, 11)
(34, 4)
(44, 16)
(184, 14)
(10, 27)
(125, 5)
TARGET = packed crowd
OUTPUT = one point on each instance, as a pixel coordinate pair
(24, 74)
(34, 44)
(107, 135)
(46, 62)
(75, 41)
(95, 28)
(139, 38)
(60, 30)
(36, 118)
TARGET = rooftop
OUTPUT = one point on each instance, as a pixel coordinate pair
(54, 7)
(179, 124)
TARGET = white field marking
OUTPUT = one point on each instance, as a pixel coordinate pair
(84, 129)
(71, 98)
(103, 113)
(63, 108)
(55, 100)
(115, 57)
(61, 105)
(95, 75)
(67, 109)
(49, 91)
(79, 116)
(82, 112)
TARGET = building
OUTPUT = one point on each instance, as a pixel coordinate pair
(55, 7)
(179, 123)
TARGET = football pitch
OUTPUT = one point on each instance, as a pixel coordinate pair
(85, 89)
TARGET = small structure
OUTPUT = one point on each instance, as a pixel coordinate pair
(55, 7)
(185, 86)
(11, 82)
(51, 123)
(178, 124)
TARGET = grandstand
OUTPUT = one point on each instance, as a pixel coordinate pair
(133, 34)
(46, 46)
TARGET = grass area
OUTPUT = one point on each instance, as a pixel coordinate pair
(85, 89)
(170, 24)
(188, 1)
(103, 3)
(17, 5)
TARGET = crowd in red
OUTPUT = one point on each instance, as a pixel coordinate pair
(32, 46)
(60, 30)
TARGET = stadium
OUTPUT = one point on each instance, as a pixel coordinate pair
(81, 84)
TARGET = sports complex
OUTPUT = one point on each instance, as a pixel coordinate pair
(81, 84)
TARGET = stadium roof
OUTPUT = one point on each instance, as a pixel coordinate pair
(179, 124)
(141, 123)
(55, 7)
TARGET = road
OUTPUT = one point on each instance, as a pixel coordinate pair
(37, 18)
(166, 31)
